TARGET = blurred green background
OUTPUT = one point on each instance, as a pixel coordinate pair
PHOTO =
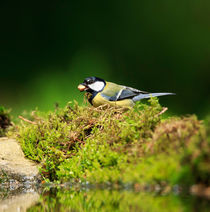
(48, 48)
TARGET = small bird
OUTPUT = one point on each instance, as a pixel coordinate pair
(101, 92)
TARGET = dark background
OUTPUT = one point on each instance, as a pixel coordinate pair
(48, 48)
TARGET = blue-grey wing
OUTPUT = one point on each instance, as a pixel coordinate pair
(115, 92)
(129, 93)
(119, 92)
(124, 93)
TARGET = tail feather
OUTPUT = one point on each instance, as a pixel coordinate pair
(144, 96)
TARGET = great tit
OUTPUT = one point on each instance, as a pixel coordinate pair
(101, 92)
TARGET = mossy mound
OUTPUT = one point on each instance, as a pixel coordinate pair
(5, 120)
(109, 144)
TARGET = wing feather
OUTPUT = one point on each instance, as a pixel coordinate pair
(117, 92)
(128, 93)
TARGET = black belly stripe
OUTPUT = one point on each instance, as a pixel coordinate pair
(93, 94)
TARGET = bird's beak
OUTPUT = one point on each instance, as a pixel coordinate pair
(82, 87)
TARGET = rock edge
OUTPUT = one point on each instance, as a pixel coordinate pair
(13, 165)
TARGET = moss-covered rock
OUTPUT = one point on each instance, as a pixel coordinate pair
(111, 144)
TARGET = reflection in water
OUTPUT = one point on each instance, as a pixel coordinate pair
(60, 199)
(17, 201)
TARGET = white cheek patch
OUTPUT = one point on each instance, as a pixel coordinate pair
(97, 86)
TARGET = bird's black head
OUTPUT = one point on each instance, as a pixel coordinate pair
(92, 84)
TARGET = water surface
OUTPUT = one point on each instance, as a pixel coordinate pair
(77, 198)
(74, 199)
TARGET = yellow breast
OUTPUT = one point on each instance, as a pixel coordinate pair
(99, 100)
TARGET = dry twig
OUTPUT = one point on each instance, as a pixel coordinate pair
(26, 120)
(162, 111)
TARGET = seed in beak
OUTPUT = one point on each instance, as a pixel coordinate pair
(81, 87)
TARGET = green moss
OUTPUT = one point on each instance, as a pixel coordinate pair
(111, 144)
